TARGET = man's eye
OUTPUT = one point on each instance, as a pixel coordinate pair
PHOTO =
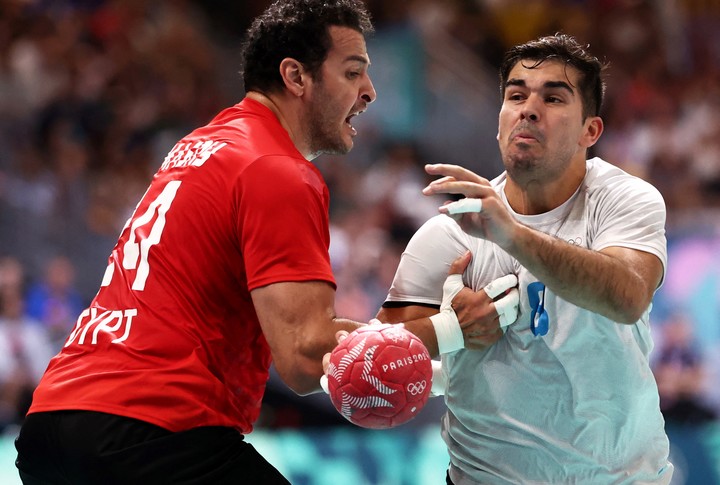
(353, 75)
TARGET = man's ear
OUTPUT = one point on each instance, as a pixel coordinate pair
(594, 127)
(292, 73)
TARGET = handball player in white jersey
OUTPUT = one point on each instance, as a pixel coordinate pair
(562, 394)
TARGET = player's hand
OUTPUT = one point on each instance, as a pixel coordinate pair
(340, 335)
(484, 315)
(482, 214)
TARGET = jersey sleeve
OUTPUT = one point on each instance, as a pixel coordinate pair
(425, 263)
(633, 216)
(283, 223)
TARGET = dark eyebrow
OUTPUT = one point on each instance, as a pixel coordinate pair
(356, 58)
(515, 82)
(547, 85)
(559, 84)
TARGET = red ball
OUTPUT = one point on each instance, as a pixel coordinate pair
(380, 376)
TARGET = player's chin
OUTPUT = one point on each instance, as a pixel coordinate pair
(345, 144)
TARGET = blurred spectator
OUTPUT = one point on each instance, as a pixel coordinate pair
(54, 301)
(25, 348)
(681, 375)
(12, 275)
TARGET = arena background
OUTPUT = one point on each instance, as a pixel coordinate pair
(93, 93)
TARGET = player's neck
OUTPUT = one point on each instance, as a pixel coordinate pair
(286, 117)
(535, 198)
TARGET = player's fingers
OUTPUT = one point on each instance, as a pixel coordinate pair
(374, 321)
(325, 362)
(468, 189)
(455, 171)
(507, 307)
(460, 264)
(462, 206)
(500, 285)
(341, 335)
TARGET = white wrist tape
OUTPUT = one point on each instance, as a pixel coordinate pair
(448, 332)
(439, 383)
(464, 205)
(447, 327)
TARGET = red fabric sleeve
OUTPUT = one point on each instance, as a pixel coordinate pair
(283, 222)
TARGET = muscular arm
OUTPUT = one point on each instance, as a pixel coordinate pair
(616, 282)
(299, 323)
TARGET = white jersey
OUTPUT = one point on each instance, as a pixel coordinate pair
(577, 405)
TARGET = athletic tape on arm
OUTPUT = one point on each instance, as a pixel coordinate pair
(446, 324)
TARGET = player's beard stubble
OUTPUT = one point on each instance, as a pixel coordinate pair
(326, 124)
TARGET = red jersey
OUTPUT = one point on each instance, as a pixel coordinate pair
(172, 337)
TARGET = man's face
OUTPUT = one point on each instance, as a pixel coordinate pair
(541, 127)
(342, 90)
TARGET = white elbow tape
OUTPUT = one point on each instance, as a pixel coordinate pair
(447, 329)
(439, 383)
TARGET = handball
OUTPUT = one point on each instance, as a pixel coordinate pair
(379, 376)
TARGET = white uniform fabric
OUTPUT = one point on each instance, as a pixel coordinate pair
(578, 405)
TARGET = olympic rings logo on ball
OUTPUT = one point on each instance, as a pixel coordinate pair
(416, 388)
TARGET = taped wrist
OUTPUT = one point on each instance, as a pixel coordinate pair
(448, 332)
(447, 327)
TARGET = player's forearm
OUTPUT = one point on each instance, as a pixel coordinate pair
(415, 318)
(424, 330)
(305, 368)
(589, 279)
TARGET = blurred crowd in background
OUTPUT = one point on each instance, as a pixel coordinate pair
(93, 93)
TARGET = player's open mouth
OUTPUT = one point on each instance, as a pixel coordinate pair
(347, 122)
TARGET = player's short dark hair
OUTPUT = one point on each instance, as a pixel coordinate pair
(298, 29)
(563, 48)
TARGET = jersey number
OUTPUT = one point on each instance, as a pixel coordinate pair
(136, 249)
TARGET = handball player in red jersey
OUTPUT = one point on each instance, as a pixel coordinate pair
(222, 268)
